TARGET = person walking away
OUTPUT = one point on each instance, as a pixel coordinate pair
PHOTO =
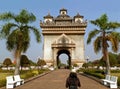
(73, 82)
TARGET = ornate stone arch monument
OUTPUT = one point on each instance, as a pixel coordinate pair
(63, 34)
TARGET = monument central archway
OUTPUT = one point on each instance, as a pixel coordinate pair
(67, 53)
(63, 34)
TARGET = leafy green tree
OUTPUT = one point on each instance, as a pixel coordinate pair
(118, 58)
(41, 63)
(113, 59)
(24, 61)
(105, 34)
(7, 62)
(102, 62)
(96, 63)
(16, 31)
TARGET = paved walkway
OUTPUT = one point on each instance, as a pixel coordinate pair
(56, 80)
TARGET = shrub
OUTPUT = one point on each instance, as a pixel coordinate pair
(35, 72)
(31, 73)
(27, 75)
(75, 65)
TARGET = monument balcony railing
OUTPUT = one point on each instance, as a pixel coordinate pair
(84, 23)
(62, 31)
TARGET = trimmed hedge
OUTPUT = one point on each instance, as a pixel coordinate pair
(95, 73)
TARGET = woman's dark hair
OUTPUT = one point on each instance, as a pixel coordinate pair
(73, 75)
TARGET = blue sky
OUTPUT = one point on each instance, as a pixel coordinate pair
(90, 9)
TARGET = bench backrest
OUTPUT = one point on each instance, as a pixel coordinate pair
(17, 77)
(9, 79)
(114, 78)
(107, 77)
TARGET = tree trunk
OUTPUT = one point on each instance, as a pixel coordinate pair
(107, 64)
(106, 58)
(17, 67)
(105, 53)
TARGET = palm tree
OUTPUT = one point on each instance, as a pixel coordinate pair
(16, 31)
(106, 34)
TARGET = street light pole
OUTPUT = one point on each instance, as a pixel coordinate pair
(87, 59)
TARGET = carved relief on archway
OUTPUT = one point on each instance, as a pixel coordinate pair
(63, 42)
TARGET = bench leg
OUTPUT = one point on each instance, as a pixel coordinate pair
(113, 85)
(105, 83)
(18, 83)
(22, 82)
(10, 86)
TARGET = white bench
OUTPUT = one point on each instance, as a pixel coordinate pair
(110, 81)
(10, 83)
(107, 78)
(18, 80)
(113, 82)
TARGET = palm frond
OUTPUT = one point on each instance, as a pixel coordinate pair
(26, 39)
(11, 40)
(6, 16)
(6, 28)
(92, 34)
(25, 17)
(113, 25)
(101, 22)
(36, 32)
(98, 44)
(114, 38)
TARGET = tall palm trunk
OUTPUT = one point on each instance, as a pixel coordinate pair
(107, 63)
(17, 67)
(105, 54)
(18, 54)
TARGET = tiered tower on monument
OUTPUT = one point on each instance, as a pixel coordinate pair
(63, 34)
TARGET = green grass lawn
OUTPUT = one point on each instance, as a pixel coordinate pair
(116, 74)
(3, 75)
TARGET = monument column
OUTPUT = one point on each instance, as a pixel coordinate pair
(72, 53)
(54, 57)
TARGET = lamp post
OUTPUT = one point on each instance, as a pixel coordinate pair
(87, 59)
